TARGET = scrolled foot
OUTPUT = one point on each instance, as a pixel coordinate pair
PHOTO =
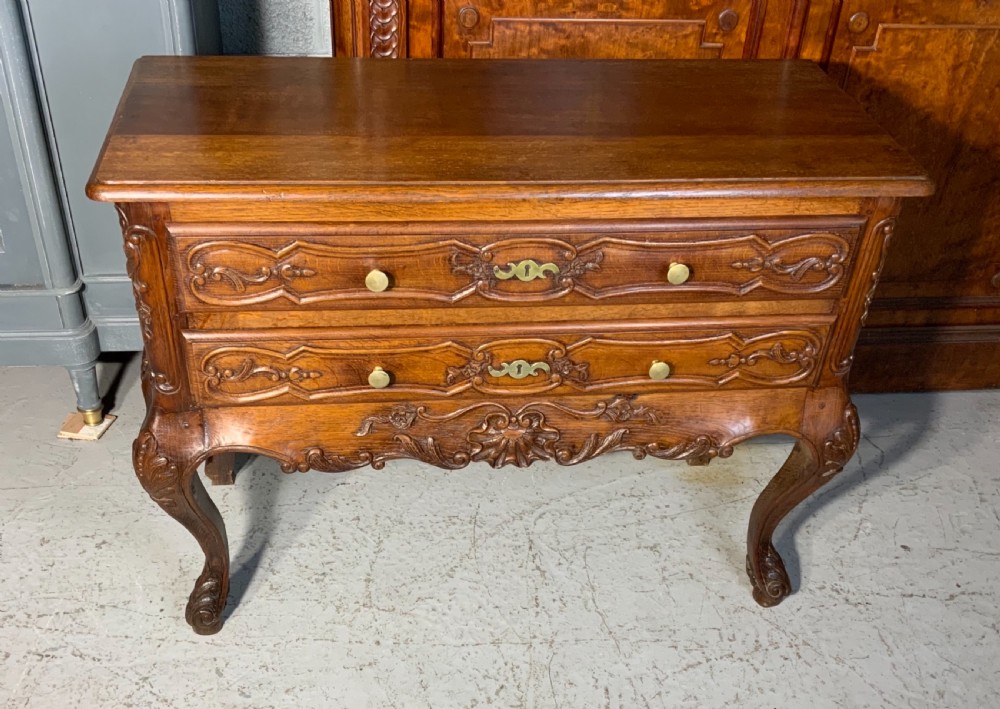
(770, 582)
(207, 601)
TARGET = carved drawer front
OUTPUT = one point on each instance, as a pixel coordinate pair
(272, 272)
(226, 369)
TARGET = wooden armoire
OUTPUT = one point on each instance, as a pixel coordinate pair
(927, 70)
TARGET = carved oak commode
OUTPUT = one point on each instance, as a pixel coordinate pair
(341, 263)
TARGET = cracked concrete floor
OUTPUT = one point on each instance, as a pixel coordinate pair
(612, 584)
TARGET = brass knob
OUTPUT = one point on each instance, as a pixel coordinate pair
(468, 17)
(659, 370)
(376, 281)
(728, 19)
(379, 378)
(677, 274)
(859, 22)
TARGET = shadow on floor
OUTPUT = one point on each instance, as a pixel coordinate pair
(908, 417)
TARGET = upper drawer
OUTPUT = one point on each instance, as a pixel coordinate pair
(221, 267)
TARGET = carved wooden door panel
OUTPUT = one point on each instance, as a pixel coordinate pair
(929, 72)
(608, 29)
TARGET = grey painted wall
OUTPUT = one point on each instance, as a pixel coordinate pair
(275, 26)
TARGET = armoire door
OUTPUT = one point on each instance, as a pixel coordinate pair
(929, 72)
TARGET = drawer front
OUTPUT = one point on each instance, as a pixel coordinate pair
(315, 270)
(231, 368)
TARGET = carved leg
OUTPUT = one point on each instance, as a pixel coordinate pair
(173, 484)
(221, 468)
(829, 438)
(88, 395)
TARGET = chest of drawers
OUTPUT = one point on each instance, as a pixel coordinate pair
(341, 263)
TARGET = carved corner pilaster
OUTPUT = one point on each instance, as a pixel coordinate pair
(161, 370)
(848, 328)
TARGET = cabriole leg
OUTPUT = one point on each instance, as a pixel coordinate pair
(829, 438)
(172, 482)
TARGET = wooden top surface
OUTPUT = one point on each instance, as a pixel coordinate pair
(316, 128)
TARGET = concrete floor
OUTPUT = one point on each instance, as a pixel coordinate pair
(612, 584)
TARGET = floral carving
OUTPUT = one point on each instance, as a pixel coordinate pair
(995, 281)
(400, 417)
(622, 408)
(504, 436)
(564, 367)
(578, 267)
(472, 371)
(383, 25)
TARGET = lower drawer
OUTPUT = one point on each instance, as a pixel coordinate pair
(232, 368)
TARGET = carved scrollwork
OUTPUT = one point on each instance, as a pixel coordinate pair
(784, 272)
(250, 368)
(773, 585)
(383, 25)
(841, 444)
(318, 459)
(698, 451)
(805, 357)
(160, 477)
(995, 281)
(832, 265)
(239, 280)
(505, 436)
(207, 601)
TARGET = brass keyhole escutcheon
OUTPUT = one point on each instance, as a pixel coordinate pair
(659, 370)
(519, 369)
(678, 273)
(859, 22)
(468, 17)
(376, 281)
(728, 19)
(379, 378)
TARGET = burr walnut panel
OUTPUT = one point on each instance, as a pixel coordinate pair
(315, 270)
(590, 29)
(231, 368)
